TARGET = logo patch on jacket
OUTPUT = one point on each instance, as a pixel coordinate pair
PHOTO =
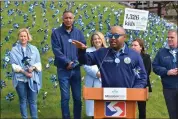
(166, 57)
(109, 60)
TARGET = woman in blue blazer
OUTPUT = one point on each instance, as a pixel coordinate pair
(93, 77)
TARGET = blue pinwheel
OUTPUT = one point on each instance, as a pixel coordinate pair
(6, 59)
(45, 48)
(1, 9)
(40, 30)
(9, 97)
(50, 60)
(16, 26)
(7, 38)
(137, 71)
(31, 8)
(35, 3)
(2, 84)
(10, 12)
(8, 75)
(16, 3)
(53, 78)
(10, 31)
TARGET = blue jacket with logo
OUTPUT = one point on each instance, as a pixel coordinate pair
(162, 63)
(128, 73)
(63, 50)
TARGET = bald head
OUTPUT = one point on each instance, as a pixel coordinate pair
(117, 29)
(118, 37)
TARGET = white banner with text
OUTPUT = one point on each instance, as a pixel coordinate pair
(114, 93)
(135, 19)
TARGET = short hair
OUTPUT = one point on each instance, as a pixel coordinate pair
(27, 31)
(141, 43)
(67, 11)
(101, 36)
(172, 30)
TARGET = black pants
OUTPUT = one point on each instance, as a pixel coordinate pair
(171, 98)
(142, 109)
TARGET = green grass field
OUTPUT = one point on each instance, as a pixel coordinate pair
(50, 107)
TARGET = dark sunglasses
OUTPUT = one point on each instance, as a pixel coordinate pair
(114, 36)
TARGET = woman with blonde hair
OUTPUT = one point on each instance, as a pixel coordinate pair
(93, 77)
(26, 68)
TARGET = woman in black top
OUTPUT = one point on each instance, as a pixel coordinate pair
(138, 46)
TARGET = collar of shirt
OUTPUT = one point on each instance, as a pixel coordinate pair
(169, 48)
(63, 26)
(120, 51)
(123, 50)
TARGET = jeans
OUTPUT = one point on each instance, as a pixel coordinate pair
(25, 93)
(171, 98)
(67, 79)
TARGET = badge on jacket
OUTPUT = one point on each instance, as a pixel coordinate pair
(127, 60)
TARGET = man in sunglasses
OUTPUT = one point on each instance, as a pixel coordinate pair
(165, 65)
(119, 65)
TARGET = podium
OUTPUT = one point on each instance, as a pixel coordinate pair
(115, 102)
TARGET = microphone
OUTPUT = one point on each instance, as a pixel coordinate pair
(100, 65)
(103, 59)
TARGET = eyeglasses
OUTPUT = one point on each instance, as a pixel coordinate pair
(114, 36)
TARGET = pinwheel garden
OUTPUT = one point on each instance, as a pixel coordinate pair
(41, 18)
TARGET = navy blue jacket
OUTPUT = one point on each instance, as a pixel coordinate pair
(117, 74)
(63, 50)
(162, 63)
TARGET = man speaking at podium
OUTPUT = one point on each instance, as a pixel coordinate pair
(119, 65)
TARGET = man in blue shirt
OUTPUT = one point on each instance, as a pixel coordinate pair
(165, 65)
(67, 64)
(119, 65)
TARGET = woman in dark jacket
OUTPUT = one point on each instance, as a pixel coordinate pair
(138, 46)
